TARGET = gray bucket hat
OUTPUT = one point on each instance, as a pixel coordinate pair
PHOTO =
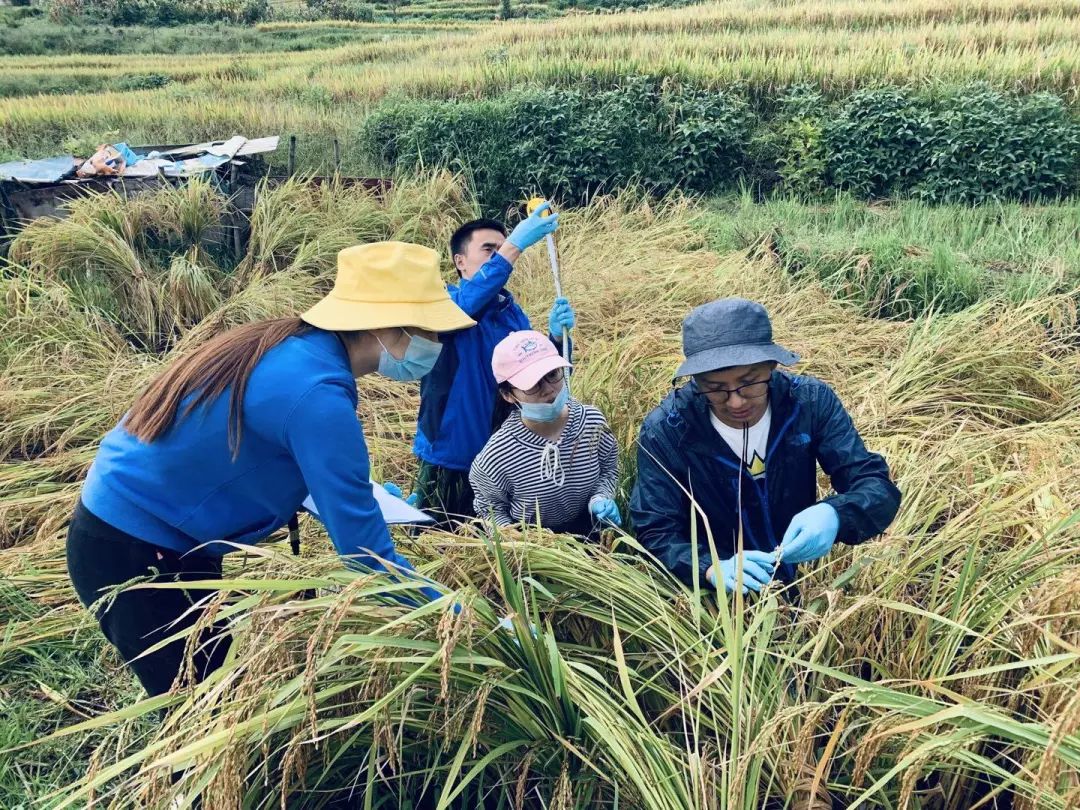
(729, 332)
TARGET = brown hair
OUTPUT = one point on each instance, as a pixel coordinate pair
(223, 362)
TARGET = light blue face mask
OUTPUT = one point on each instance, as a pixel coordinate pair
(545, 411)
(420, 358)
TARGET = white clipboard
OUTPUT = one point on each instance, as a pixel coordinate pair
(394, 510)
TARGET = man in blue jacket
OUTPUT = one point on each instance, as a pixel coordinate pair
(744, 441)
(457, 399)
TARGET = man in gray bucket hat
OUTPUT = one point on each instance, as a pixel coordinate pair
(735, 449)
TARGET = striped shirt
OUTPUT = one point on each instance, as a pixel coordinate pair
(520, 474)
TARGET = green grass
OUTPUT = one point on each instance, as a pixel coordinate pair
(54, 667)
(900, 259)
(40, 37)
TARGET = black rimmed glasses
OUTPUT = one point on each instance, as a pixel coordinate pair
(754, 390)
(551, 379)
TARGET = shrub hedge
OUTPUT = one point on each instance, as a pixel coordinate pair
(964, 144)
(351, 10)
(162, 12)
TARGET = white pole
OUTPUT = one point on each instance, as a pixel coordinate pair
(553, 257)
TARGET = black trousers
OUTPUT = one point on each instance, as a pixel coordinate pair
(100, 557)
(445, 494)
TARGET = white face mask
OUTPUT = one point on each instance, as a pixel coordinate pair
(421, 355)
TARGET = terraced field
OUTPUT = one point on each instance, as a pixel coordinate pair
(839, 46)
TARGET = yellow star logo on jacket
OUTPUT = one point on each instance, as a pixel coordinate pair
(756, 467)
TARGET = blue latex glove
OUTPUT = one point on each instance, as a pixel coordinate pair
(811, 534)
(757, 570)
(395, 490)
(533, 228)
(562, 317)
(605, 511)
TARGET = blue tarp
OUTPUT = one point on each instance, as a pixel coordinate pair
(45, 170)
(130, 158)
(169, 163)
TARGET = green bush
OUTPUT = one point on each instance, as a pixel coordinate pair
(570, 143)
(39, 36)
(988, 145)
(142, 81)
(794, 141)
(968, 145)
(180, 12)
(707, 144)
(14, 83)
(17, 12)
(342, 10)
(877, 141)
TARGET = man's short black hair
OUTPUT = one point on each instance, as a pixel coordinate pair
(460, 240)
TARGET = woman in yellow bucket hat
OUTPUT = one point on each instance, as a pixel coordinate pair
(221, 449)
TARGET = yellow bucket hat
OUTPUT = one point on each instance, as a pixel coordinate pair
(386, 284)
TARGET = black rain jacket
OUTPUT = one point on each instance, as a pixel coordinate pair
(678, 448)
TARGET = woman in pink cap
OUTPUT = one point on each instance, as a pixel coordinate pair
(554, 461)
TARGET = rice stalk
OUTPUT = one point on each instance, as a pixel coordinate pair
(913, 667)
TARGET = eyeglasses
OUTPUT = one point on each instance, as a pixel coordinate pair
(551, 378)
(754, 390)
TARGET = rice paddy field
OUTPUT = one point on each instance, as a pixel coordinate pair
(934, 668)
(324, 93)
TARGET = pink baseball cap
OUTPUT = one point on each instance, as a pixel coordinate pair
(524, 358)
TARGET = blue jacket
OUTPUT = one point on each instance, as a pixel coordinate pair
(809, 426)
(457, 398)
(300, 434)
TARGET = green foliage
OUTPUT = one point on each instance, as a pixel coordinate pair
(142, 81)
(18, 12)
(342, 10)
(794, 142)
(169, 12)
(16, 84)
(969, 144)
(987, 145)
(877, 141)
(41, 37)
(801, 165)
(571, 143)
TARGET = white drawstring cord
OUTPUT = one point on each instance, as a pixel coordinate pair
(551, 466)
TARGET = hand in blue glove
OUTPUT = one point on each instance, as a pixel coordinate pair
(605, 511)
(811, 534)
(533, 228)
(395, 490)
(562, 317)
(757, 570)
